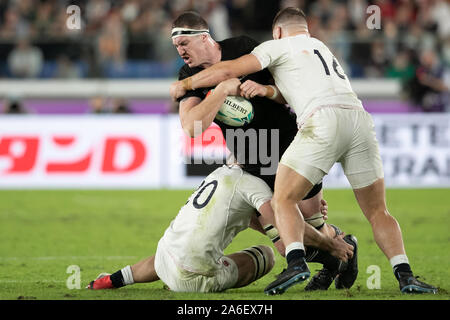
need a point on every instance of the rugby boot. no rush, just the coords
(410, 284)
(346, 278)
(103, 281)
(297, 272)
(321, 280)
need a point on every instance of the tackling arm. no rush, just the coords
(335, 246)
(215, 74)
(250, 89)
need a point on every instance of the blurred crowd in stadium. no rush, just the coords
(130, 38)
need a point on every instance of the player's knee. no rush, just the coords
(378, 214)
(274, 204)
(280, 200)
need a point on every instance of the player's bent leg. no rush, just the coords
(253, 263)
(386, 229)
(388, 236)
(290, 188)
(144, 270)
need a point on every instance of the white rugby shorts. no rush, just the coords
(181, 280)
(336, 134)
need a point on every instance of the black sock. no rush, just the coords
(402, 267)
(295, 255)
(117, 279)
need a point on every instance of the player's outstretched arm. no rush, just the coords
(335, 246)
(215, 74)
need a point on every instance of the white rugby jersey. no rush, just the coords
(307, 74)
(218, 210)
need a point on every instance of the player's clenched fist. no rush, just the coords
(251, 89)
(341, 249)
(230, 86)
(178, 89)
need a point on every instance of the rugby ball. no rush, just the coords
(235, 111)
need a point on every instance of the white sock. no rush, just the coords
(294, 246)
(127, 275)
(401, 258)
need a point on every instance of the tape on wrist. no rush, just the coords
(187, 84)
(275, 92)
(271, 232)
(316, 220)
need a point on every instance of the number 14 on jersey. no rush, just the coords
(325, 66)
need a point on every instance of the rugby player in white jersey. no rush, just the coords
(190, 255)
(333, 127)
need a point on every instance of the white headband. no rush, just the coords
(178, 32)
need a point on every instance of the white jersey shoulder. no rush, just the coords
(307, 73)
(218, 210)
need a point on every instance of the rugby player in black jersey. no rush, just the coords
(191, 38)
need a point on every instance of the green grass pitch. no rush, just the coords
(43, 232)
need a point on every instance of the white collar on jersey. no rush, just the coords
(186, 32)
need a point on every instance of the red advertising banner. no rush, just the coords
(81, 151)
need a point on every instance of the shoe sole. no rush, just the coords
(281, 288)
(412, 289)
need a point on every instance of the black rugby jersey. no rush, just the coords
(268, 114)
